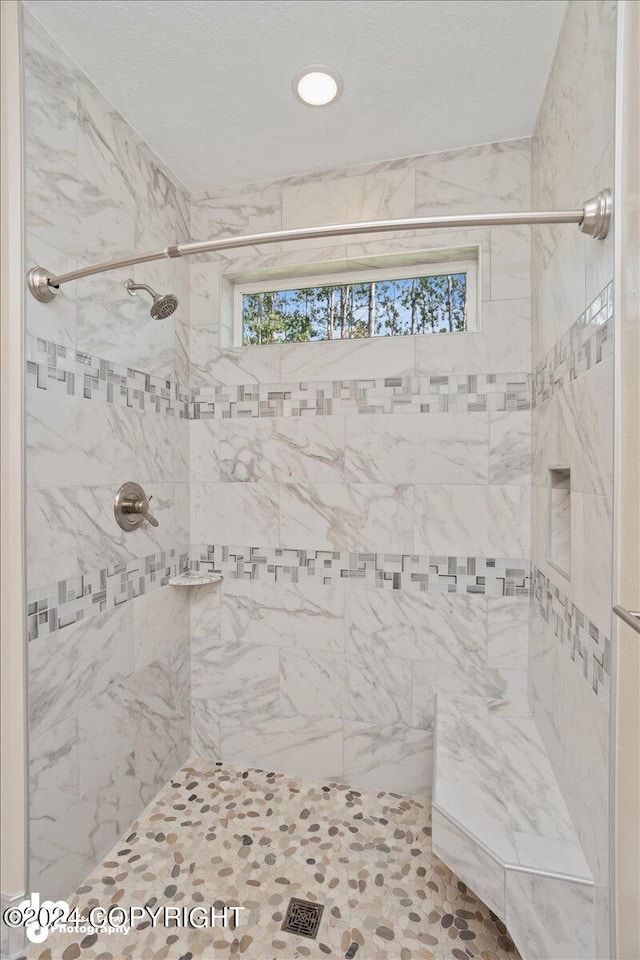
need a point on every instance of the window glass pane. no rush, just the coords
(384, 308)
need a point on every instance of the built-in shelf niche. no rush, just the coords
(559, 520)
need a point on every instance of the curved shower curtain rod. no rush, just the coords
(594, 219)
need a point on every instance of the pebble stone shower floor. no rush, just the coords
(221, 834)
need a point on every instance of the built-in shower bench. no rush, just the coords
(501, 824)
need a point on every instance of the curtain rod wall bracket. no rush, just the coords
(598, 211)
(594, 220)
(38, 282)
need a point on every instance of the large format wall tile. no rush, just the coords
(510, 262)
(205, 290)
(114, 325)
(560, 294)
(205, 727)
(415, 626)
(256, 211)
(387, 757)
(67, 438)
(489, 178)
(597, 526)
(77, 841)
(510, 447)
(308, 747)
(74, 666)
(212, 365)
(353, 687)
(470, 860)
(55, 321)
(347, 359)
(204, 611)
(390, 625)
(204, 450)
(340, 516)
(64, 209)
(599, 257)
(50, 83)
(100, 542)
(282, 614)
(507, 634)
(502, 345)
(242, 678)
(106, 735)
(463, 680)
(279, 448)
(52, 534)
(235, 513)
(314, 685)
(564, 932)
(160, 624)
(348, 200)
(438, 448)
(574, 428)
(378, 690)
(574, 725)
(489, 520)
(53, 774)
(159, 701)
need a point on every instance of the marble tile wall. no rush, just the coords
(382, 486)
(343, 673)
(572, 426)
(495, 175)
(316, 676)
(108, 655)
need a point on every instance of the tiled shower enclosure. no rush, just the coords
(377, 508)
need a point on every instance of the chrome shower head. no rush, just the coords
(163, 304)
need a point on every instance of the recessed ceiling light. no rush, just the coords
(317, 86)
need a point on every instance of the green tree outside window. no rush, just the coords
(388, 308)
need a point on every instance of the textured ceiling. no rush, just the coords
(207, 83)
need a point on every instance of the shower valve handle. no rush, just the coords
(142, 507)
(131, 507)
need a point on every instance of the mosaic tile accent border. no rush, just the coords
(455, 393)
(483, 575)
(586, 644)
(51, 366)
(586, 343)
(54, 606)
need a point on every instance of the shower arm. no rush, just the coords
(594, 219)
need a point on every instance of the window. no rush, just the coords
(436, 299)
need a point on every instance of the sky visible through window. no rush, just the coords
(385, 308)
